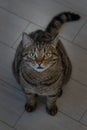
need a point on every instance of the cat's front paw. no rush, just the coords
(53, 110)
(30, 108)
(60, 92)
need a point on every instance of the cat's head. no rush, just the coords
(38, 53)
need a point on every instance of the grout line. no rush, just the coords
(21, 17)
(79, 82)
(32, 21)
(75, 44)
(79, 30)
(38, 25)
(12, 46)
(11, 12)
(29, 22)
(73, 9)
(18, 119)
(72, 118)
(20, 35)
(83, 124)
(80, 47)
(69, 116)
(6, 124)
(83, 115)
(5, 82)
(5, 44)
(13, 126)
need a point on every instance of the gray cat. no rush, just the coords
(41, 64)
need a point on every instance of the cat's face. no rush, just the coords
(39, 56)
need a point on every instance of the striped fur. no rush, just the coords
(41, 64)
(56, 23)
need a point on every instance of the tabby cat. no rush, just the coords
(41, 64)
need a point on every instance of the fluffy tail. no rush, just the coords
(55, 24)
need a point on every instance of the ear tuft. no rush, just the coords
(26, 40)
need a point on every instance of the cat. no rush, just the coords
(41, 64)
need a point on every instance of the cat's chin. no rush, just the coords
(39, 69)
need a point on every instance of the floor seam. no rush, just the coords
(83, 124)
(10, 85)
(72, 118)
(6, 123)
(83, 115)
(18, 119)
(73, 9)
(73, 43)
(20, 35)
(79, 82)
(11, 12)
(5, 44)
(79, 30)
(21, 17)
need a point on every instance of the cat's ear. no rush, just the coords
(26, 40)
(55, 41)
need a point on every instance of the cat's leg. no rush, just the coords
(60, 92)
(31, 102)
(51, 104)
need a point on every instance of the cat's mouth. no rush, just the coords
(40, 67)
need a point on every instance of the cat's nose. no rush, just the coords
(39, 63)
(39, 60)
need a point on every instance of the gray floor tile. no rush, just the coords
(70, 30)
(79, 61)
(42, 121)
(10, 27)
(74, 100)
(6, 59)
(29, 29)
(5, 127)
(11, 103)
(81, 38)
(39, 12)
(84, 119)
(79, 5)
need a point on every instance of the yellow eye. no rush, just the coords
(31, 55)
(47, 55)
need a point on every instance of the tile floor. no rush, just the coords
(17, 16)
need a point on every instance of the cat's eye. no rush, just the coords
(48, 55)
(31, 55)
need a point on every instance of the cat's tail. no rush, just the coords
(56, 23)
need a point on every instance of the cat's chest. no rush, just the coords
(39, 88)
(40, 84)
